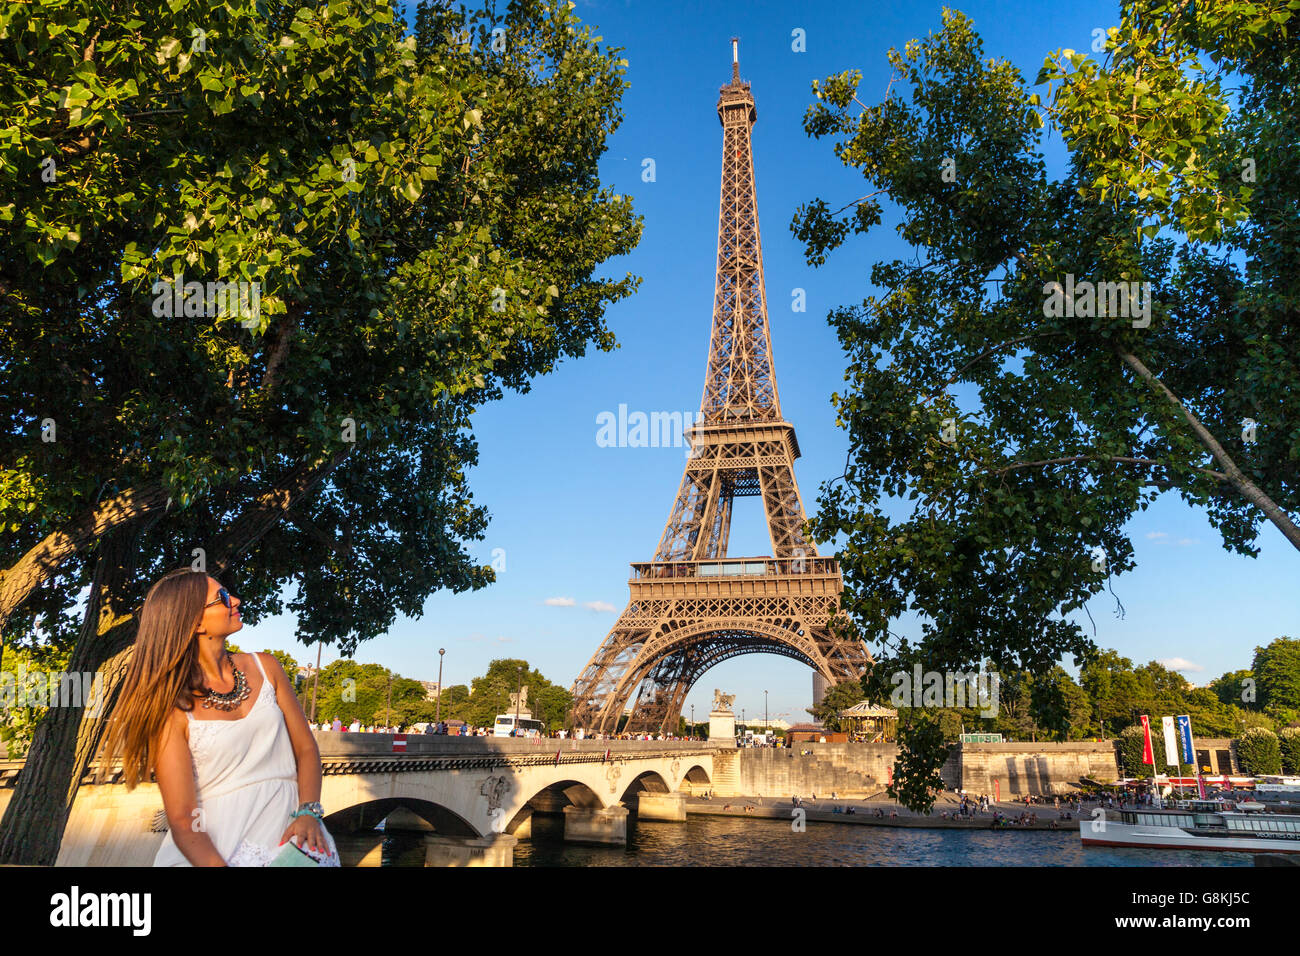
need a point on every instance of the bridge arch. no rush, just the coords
(696, 778)
(554, 797)
(651, 781)
(364, 816)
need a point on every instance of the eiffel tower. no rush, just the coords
(693, 605)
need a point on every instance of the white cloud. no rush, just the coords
(1153, 535)
(1180, 664)
(599, 606)
(1186, 542)
(560, 602)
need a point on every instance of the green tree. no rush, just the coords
(1210, 717)
(1277, 671)
(917, 778)
(551, 706)
(1023, 437)
(1015, 697)
(1233, 690)
(1258, 751)
(351, 691)
(1130, 745)
(423, 219)
(1289, 744)
(840, 697)
(1113, 688)
(490, 694)
(455, 702)
(24, 696)
(407, 705)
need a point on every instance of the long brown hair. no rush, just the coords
(163, 669)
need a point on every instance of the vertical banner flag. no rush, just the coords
(1147, 755)
(1185, 735)
(1171, 746)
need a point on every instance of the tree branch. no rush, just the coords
(279, 350)
(269, 507)
(1232, 474)
(42, 562)
(1116, 458)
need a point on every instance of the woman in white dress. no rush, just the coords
(223, 734)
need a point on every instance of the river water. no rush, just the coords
(738, 841)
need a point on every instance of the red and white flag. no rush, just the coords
(1147, 755)
(399, 743)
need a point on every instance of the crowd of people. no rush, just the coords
(467, 730)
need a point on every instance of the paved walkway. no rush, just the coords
(822, 811)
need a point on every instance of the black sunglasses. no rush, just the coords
(223, 596)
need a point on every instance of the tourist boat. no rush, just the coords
(1197, 825)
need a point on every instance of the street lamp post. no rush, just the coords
(692, 720)
(766, 726)
(438, 717)
(518, 693)
(315, 683)
(388, 707)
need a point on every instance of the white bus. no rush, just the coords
(528, 727)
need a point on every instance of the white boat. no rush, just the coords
(1197, 825)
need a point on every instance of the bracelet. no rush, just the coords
(307, 813)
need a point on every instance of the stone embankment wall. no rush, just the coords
(1034, 768)
(861, 770)
(848, 770)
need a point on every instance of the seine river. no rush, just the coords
(736, 841)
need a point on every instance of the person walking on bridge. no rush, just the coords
(222, 733)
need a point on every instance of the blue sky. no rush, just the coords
(569, 515)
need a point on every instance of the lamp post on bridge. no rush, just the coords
(692, 720)
(518, 691)
(766, 726)
(315, 682)
(438, 717)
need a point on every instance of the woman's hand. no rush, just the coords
(308, 830)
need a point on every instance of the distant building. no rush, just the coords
(431, 689)
(820, 686)
(813, 734)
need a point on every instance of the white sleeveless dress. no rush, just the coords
(246, 780)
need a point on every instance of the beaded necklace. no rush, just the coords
(232, 698)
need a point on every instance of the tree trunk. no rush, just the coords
(62, 749)
(64, 743)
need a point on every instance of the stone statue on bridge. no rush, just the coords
(522, 705)
(721, 701)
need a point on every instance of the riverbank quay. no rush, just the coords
(864, 814)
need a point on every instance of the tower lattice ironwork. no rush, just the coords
(693, 605)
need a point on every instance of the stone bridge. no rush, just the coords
(473, 797)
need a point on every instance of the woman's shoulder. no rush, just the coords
(249, 661)
(177, 723)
